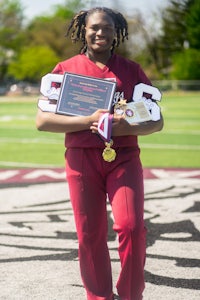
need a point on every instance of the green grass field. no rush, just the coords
(177, 145)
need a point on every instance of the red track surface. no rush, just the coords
(41, 175)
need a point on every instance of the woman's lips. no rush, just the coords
(101, 42)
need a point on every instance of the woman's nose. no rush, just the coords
(100, 31)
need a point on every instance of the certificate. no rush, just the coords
(83, 95)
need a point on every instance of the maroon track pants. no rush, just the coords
(90, 180)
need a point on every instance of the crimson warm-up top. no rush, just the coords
(126, 73)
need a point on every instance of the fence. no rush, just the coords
(163, 85)
(174, 85)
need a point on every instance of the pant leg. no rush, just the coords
(125, 190)
(88, 197)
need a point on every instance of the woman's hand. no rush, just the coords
(97, 114)
(120, 127)
(95, 119)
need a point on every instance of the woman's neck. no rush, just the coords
(98, 58)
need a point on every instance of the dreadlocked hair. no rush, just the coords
(76, 28)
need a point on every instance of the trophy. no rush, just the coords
(141, 109)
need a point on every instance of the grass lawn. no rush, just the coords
(21, 143)
(177, 145)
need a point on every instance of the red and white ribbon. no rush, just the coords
(105, 126)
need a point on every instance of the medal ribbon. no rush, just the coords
(105, 131)
(105, 127)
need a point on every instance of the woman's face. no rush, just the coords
(100, 32)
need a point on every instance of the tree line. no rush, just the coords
(28, 50)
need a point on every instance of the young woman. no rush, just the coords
(91, 179)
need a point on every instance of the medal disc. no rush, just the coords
(109, 154)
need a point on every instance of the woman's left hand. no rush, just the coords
(119, 126)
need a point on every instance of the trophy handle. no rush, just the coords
(142, 88)
(47, 88)
(50, 92)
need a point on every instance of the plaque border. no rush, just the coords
(63, 90)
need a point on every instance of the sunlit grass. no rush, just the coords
(177, 145)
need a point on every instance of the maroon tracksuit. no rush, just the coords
(91, 180)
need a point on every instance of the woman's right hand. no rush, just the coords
(97, 114)
(95, 119)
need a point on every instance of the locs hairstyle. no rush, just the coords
(76, 28)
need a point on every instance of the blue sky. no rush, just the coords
(38, 7)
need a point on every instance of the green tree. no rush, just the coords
(33, 63)
(180, 29)
(67, 10)
(18, 40)
(11, 32)
(51, 30)
(193, 25)
(186, 65)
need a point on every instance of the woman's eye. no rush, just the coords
(96, 28)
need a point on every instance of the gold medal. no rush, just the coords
(109, 154)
